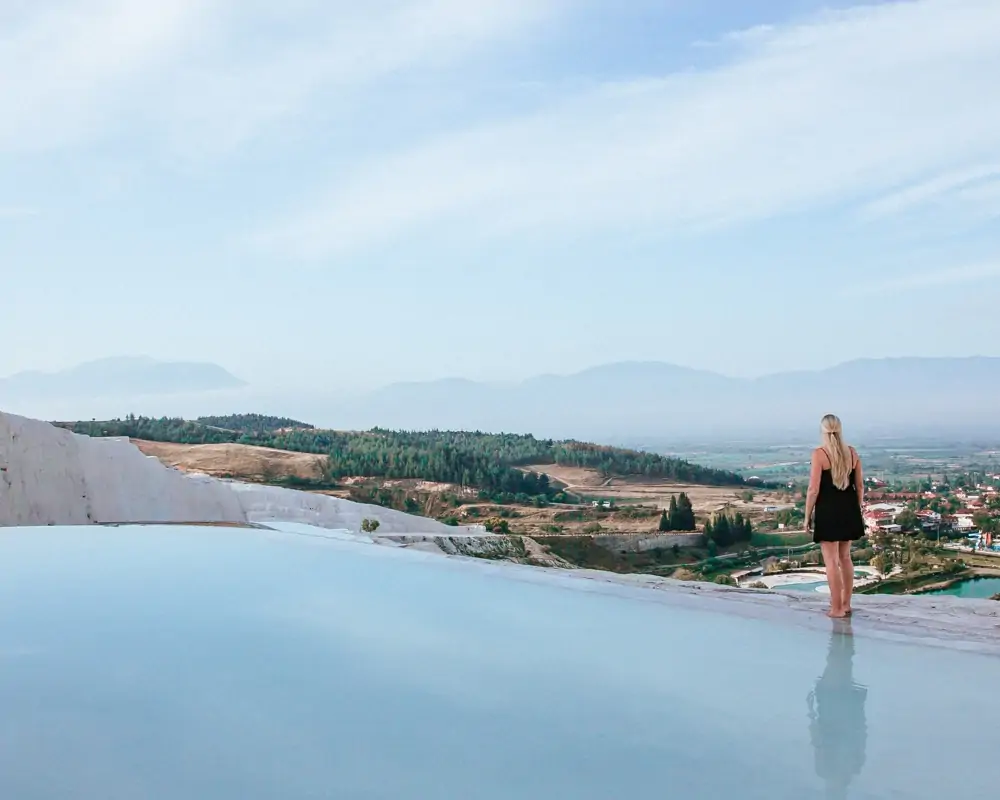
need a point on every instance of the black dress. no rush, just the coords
(837, 517)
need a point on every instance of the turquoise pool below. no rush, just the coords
(811, 586)
(981, 588)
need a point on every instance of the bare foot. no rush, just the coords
(836, 613)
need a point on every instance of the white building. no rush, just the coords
(963, 522)
(892, 508)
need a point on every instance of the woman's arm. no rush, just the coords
(859, 478)
(815, 474)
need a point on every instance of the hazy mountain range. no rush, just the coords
(626, 401)
(118, 377)
(633, 402)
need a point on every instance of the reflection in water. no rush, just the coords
(837, 716)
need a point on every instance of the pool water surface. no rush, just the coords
(160, 663)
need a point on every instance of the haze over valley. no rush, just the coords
(644, 403)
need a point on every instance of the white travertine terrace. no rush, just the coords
(51, 476)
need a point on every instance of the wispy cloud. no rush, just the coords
(838, 108)
(15, 212)
(342, 48)
(64, 66)
(975, 186)
(208, 74)
(951, 276)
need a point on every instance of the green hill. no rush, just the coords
(486, 461)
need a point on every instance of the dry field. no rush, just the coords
(236, 460)
(653, 492)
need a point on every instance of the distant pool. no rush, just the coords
(815, 586)
(981, 588)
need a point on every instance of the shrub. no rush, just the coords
(592, 528)
(370, 525)
(725, 580)
(497, 525)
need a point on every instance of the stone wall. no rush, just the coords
(641, 542)
(51, 476)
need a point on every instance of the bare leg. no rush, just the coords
(834, 577)
(847, 571)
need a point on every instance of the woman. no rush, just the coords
(836, 492)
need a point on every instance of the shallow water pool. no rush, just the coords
(161, 662)
(813, 586)
(981, 588)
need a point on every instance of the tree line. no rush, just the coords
(725, 530)
(485, 461)
(253, 423)
(620, 461)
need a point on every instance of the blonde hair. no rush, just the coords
(841, 458)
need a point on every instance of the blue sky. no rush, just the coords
(340, 194)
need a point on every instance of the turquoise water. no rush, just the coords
(812, 586)
(803, 587)
(973, 588)
(163, 663)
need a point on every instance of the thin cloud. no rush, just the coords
(836, 109)
(64, 67)
(980, 182)
(171, 71)
(954, 276)
(17, 212)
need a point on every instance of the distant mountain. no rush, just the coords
(118, 377)
(626, 401)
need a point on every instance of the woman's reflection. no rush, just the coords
(837, 716)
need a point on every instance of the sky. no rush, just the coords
(328, 194)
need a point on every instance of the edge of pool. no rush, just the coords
(940, 621)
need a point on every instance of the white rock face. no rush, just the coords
(50, 476)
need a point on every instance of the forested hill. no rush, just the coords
(483, 460)
(253, 423)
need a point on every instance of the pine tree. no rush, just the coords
(723, 533)
(664, 522)
(673, 514)
(684, 519)
(741, 528)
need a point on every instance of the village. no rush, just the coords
(969, 512)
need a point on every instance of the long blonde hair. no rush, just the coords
(841, 459)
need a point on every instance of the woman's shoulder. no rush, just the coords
(819, 454)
